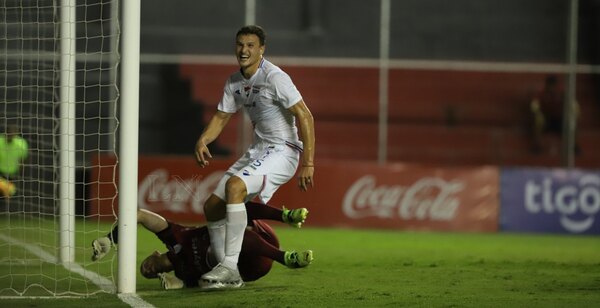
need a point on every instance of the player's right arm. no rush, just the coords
(210, 133)
(307, 135)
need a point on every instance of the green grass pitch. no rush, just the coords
(369, 268)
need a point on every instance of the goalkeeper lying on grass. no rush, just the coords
(189, 253)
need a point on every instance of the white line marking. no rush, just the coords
(102, 282)
(134, 300)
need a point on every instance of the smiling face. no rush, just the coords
(248, 51)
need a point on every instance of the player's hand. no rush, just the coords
(202, 154)
(305, 177)
(170, 282)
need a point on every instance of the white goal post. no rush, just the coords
(128, 168)
(58, 77)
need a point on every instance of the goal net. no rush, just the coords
(46, 227)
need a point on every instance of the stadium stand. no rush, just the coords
(449, 117)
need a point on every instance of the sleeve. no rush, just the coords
(227, 103)
(285, 91)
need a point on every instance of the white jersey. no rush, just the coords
(266, 97)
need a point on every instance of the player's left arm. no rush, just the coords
(306, 125)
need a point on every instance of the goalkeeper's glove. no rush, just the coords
(169, 281)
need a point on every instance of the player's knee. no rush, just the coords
(235, 189)
(214, 208)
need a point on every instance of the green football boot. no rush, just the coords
(295, 259)
(295, 217)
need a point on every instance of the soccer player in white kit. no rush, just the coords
(275, 106)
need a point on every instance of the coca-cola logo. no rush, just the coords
(160, 192)
(428, 198)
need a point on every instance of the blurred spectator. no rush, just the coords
(547, 112)
(13, 150)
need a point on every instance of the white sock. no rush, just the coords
(237, 220)
(216, 231)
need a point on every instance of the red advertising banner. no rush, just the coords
(346, 194)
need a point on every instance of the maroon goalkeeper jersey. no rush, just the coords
(192, 261)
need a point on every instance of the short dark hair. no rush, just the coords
(253, 29)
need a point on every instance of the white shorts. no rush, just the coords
(263, 168)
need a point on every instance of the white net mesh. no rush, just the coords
(30, 83)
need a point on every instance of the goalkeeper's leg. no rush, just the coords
(293, 217)
(255, 246)
(295, 259)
